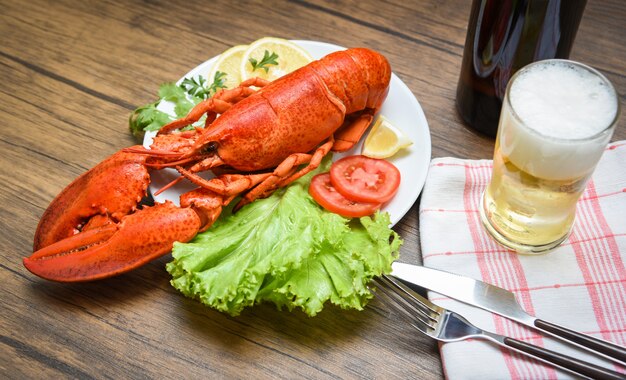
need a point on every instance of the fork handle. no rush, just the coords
(598, 345)
(586, 369)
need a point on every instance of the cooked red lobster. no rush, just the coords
(263, 140)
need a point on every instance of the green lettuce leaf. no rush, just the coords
(288, 250)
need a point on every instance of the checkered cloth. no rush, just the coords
(580, 285)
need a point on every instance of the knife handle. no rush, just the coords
(606, 348)
(578, 366)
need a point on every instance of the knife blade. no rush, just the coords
(502, 302)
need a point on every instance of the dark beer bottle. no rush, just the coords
(502, 37)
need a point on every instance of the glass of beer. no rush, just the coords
(556, 121)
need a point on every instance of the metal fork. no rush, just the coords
(447, 326)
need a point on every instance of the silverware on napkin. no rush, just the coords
(447, 326)
(502, 302)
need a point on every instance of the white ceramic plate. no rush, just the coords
(400, 107)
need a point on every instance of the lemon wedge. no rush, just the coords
(229, 63)
(384, 140)
(273, 58)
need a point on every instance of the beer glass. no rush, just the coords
(556, 121)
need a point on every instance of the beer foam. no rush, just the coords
(562, 100)
(563, 112)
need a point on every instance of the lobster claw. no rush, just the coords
(113, 187)
(113, 249)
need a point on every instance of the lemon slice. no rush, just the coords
(384, 140)
(289, 58)
(229, 63)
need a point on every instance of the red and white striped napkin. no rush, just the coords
(580, 285)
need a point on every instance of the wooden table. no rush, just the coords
(72, 71)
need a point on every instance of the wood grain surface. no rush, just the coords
(72, 71)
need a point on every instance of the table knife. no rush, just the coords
(502, 302)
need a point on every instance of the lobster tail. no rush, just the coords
(377, 71)
(358, 77)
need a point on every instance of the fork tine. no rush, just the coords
(402, 293)
(402, 301)
(422, 320)
(408, 292)
(413, 321)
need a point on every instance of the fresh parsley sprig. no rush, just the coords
(196, 87)
(268, 59)
(219, 81)
(147, 118)
(184, 97)
(199, 88)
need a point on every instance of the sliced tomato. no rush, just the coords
(326, 196)
(365, 179)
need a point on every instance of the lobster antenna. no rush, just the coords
(174, 182)
(151, 152)
(162, 165)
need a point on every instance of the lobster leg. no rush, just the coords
(287, 172)
(234, 95)
(207, 203)
(210, 105)
(351, 132)
(217, 104)
(314, 162)
(226, 184)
